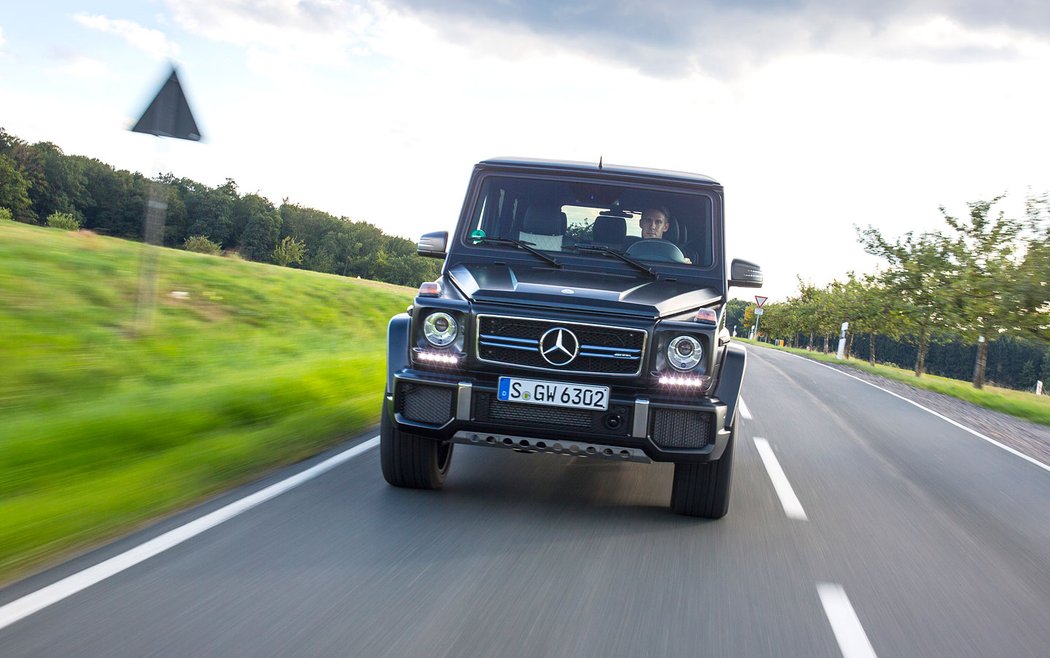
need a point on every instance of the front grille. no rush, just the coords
(491, 411)
(425, 404)
(524, 414)
(680, 428)
(602, 350)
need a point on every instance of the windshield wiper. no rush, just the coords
(521, 244)
(641, 267)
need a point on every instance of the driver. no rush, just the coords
(654, 222)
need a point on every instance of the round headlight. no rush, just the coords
(440, 329)
(684, 353)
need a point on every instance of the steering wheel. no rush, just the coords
(656, 249)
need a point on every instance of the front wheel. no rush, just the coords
(411, 461)
(702, 490)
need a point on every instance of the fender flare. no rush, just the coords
(731, 378)
(397, 341)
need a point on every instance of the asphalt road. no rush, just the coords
(906, 537)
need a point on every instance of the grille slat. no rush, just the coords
(530, 415)
(489, 410)
(603, 350)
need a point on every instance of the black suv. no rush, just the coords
(580, 311)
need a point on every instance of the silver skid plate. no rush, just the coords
(554, 446)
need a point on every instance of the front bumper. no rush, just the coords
(464, 409)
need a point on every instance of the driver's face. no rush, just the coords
(653, 224)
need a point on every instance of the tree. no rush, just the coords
(261, 225)
(289, 251)
(983, 246)
(57, 182)
(209, 212)
(1032, 285)
(917, 278)
(14, 191)
(734, 312)
(870, 309)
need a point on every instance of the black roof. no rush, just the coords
(592, 167)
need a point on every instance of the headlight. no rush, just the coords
(440, 329)
(684, 353)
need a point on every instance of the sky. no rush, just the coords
(816, 115)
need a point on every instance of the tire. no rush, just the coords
(411, 461)
(702, 490)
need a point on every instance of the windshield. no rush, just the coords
(656, 226)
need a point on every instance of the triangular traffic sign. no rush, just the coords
(169, 115)
(760, 300)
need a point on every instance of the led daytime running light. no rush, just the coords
(438, 357)
(689, 382)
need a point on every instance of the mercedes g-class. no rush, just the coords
(580, 311)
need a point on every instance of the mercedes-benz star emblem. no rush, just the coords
(559, 346)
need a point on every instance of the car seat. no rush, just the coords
(609, 231)
(544, 227)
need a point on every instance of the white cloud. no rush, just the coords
(150, 41)
(2, 37)
(280, 32)
(83, 66)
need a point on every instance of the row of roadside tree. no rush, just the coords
(983, 278)
(39, 182)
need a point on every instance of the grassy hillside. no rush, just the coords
(249, 366)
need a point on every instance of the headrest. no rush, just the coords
(544, 220)
(609, 230)
(672, 230)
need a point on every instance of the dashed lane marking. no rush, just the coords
(788, 499)
(853, 641)
(42, 598)
(744, 411)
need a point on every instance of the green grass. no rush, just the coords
(1031, 407)
(103, 428)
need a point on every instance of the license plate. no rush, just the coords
(554, 394)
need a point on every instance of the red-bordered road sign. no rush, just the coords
(760, 300)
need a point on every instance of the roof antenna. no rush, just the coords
(599, 162)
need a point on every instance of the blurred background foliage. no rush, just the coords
(38, 180)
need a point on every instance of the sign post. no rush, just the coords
(759, 303)
(168, 115)
(842, 341)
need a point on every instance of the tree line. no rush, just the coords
(38, 183)
(982, 280)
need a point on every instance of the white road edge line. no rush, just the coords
(1005, 447)
(788, 499)
(853, 641)
(744, 411)
(47, 596)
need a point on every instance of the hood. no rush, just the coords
(596, 292)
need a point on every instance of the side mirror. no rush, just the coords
(433, 245)
(745, 274)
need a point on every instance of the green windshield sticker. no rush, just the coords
(477, 236)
